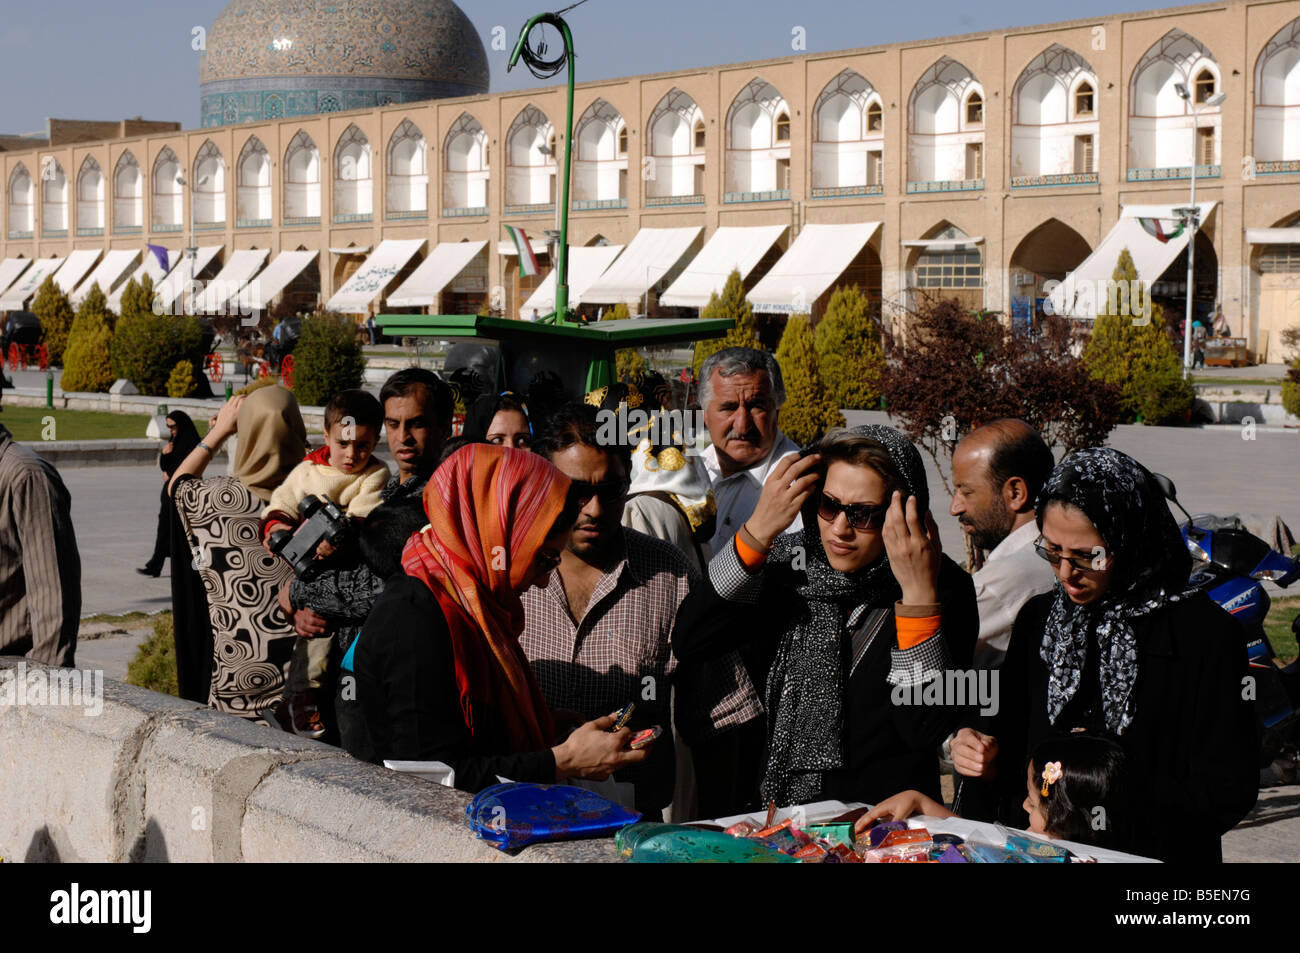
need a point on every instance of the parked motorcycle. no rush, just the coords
(1231, 565)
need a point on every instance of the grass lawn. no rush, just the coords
(26, 424)
(1278, 627)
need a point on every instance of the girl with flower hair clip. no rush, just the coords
(1074, 792)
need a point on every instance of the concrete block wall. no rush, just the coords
(152, 778)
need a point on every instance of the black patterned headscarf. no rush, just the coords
(1152, 567)
(805, 685)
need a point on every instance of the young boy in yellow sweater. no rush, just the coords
(344, 471)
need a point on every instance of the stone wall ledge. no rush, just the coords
(152, 778)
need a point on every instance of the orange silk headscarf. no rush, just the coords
(490, 509)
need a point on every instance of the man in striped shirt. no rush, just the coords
(40, 568)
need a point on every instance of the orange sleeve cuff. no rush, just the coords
(913, 631)
(750, 556)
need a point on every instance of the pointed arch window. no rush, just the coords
(875, 118)
(168, 199)
(408, 173)
(974, 109)
(622, 141)
(783, 127)
(1083, 99)
(699, 135)
(253, 198)
(353, 181)
(54, 196)
(302, 181)
(21, 211)
(128, 195)
(1205, 85)
(209, 185)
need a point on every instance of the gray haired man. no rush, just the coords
(742, 393)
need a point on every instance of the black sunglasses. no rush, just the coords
(1098, 563)
(862, 516)
(609, 493)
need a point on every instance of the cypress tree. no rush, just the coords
(850, 357)
(87, 365)
(52, 307)
(730, 304)
(1137, 356)
(809, 409)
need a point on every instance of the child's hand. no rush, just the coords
(324, 549)
(271, 529)
(899, 808)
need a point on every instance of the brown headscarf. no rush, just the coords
(272, 440)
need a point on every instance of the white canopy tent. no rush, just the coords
(1086, 287)
(538, 245)
(16, 298)
(239, 268)
(651, 255)
(173, 286)
(424, 288)
(731, 248)
(586, 264)
(817, 258)
(261, 291)
(75, 267)
(374, 276)
(10, 270)
(107, 274)
(151, 267)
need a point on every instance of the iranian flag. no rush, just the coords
(1155, 228)
(527, 260)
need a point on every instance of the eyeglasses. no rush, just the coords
(1098, 563)
(609, 493)
(862, 516)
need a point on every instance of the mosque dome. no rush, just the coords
(267, 59)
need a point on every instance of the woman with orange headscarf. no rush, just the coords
(440, 674)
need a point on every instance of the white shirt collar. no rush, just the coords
(758, 472)
(1016, 540)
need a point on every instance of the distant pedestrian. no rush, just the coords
(370, 328)
(184, 438)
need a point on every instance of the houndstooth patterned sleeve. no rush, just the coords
(731, 579)
(920, 663)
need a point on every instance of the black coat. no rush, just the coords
(888, 748)
(1193, 744)
(406, 687)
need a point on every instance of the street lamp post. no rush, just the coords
(190, 251)
(1192, 217)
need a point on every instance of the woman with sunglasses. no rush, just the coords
(440, 673)
(1123, 647)
(842, 621)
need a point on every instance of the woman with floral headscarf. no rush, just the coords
(440, 674)
(849, 623)
(1123, 647)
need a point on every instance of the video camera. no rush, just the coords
(322, 521)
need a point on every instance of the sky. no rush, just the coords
(116, 59)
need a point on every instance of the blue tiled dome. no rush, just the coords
(266, 59)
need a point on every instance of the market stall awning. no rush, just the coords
(149, 266)
(730, 248)
(435, 273)
(351, 250)
(651, 256)
(106, 274)
(75, 267)
(171, 287)
(261, 291)
(1154, 237)
(942, 244)
(814, 262)
(374, 276)
(16, 298)
(230, 280)
(10, 269)
(1273, 236)
(586, 264)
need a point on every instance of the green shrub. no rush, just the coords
(181, 382)
(154, 665)
(733, 304)
(1291, 384)
(1139, 359)
(51, 306)
(147, 346)
(327, 359)
(617, 313)
(87, 362)
(809, 410)
(850, 357)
